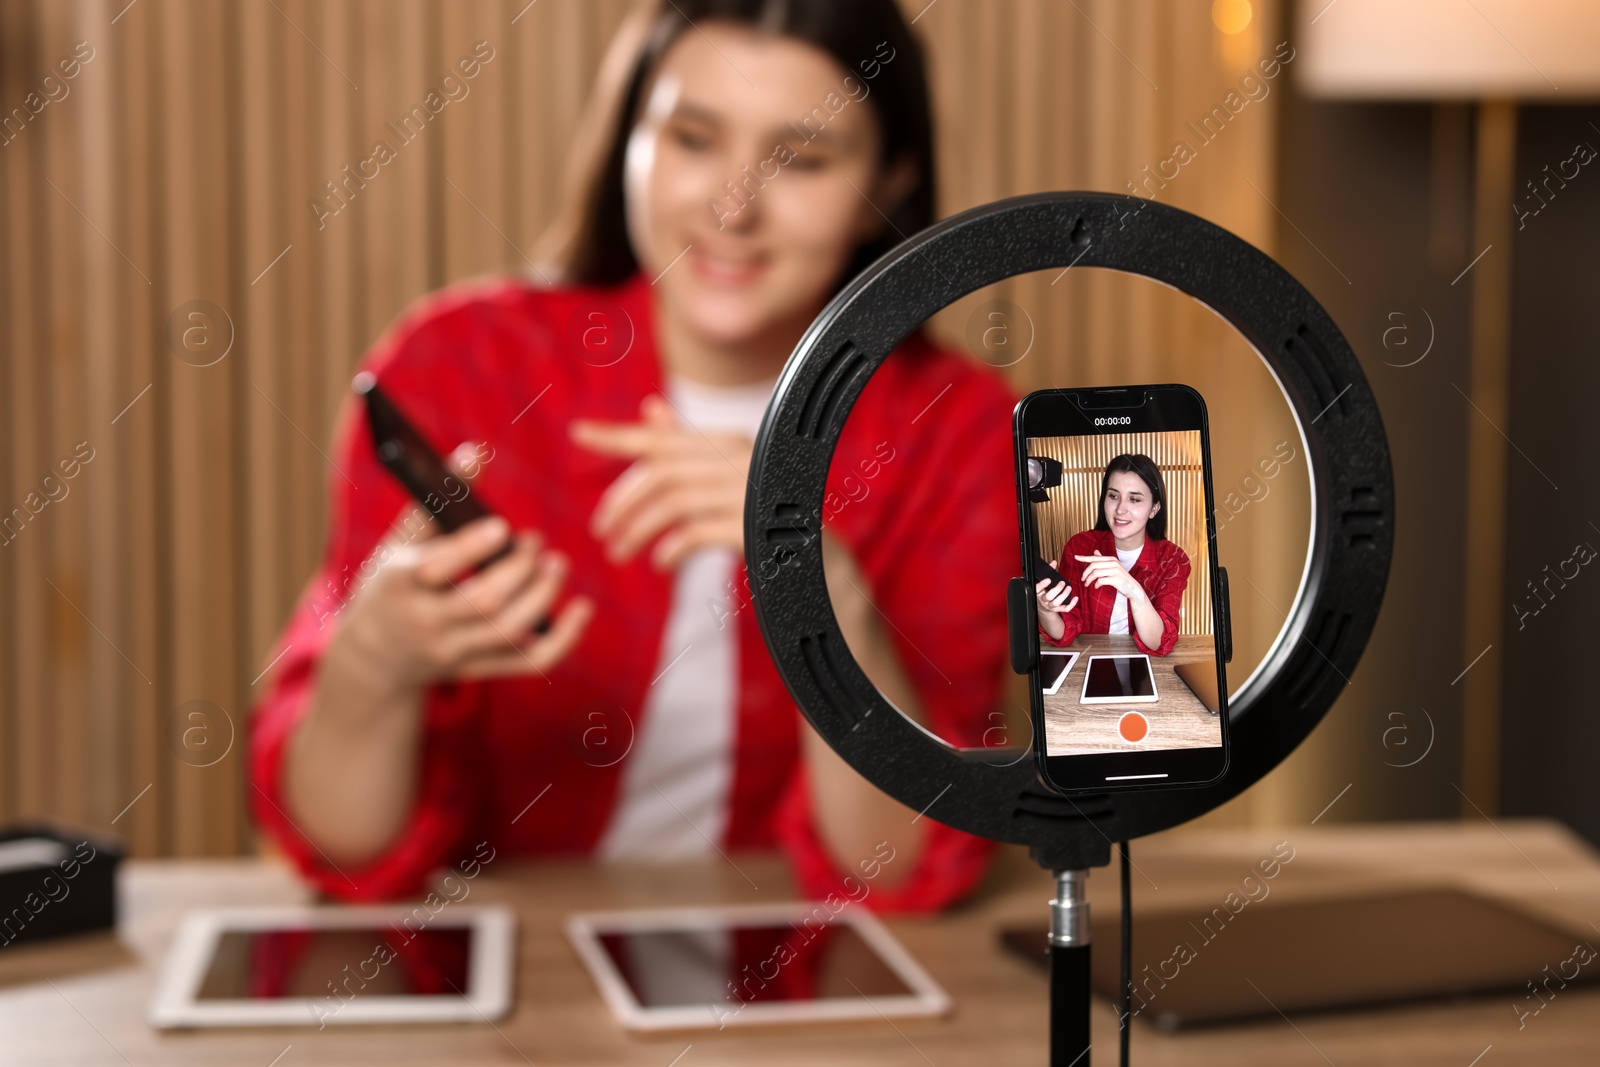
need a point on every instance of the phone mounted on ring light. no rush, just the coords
(991, 793)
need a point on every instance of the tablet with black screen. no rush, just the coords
(714, 967)
(1118, 680)
(1054, 668)
(321, 966)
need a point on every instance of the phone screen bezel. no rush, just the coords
(1150, 409)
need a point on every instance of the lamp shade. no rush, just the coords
(1442, 49)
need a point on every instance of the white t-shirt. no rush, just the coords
(677, 779)
(1119, 610)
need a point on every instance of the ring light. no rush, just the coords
(992, 792)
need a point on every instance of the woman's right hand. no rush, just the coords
(1050, 599)
(424, 617)
(1051, 596)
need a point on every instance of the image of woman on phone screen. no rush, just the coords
(1129, 578)
(739, 162)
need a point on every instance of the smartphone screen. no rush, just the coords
(1115, 510)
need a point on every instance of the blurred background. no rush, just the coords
(188, 273)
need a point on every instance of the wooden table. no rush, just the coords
(1178, 720)
(83, 1002)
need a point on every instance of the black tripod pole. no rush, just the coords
(1069, 971)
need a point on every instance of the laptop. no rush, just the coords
(1195, 966)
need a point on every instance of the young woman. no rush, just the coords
(743, 160)
(1133, 576)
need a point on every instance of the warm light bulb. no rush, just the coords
(1230, 16)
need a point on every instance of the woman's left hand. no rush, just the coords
(1101, 570)
(684, 484)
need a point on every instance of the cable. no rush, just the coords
(1127, 954)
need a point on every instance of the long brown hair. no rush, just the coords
(588, 244)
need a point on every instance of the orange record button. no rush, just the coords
(1133, 726)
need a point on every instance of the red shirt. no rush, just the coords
(1162, 569)
(920, 489)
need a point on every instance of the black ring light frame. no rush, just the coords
(995, 793)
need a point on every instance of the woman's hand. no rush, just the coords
(417, 616)
(685, 485)
(1051, 596)
(1099, 570)
(1050, 599)
(421, 617)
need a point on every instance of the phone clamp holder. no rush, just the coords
(992, 792)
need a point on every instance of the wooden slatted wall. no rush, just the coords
(174, 179)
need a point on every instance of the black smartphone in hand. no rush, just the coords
(406, 454)
(1041, 569)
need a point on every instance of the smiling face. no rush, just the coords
(1129, 507)
(761, 260)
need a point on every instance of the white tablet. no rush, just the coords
(694, 968)
(1054, 668)
(1119, 680)
(319, 966)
